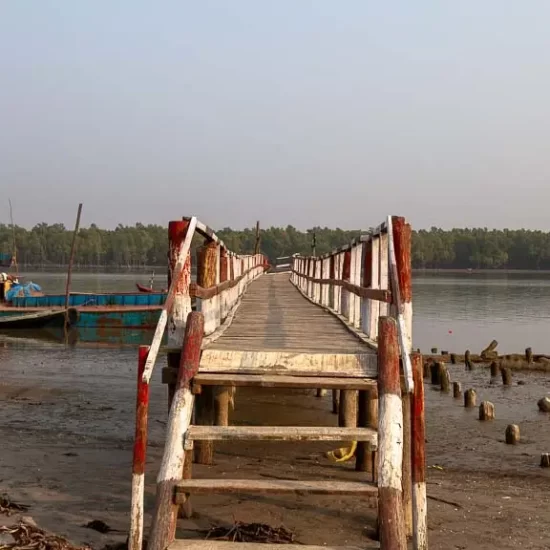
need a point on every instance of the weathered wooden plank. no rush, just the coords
(215, 360)
(282, 433)
(274, 381)
(192, 544)
(273, 486)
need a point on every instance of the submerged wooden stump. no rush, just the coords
(512, 434)
(445, 378)
(457, 390)
(494, 369)
(467, 361)
(453, 359)
(426, 369)
(506, 376)
(529, 355)
(435, 371)
(486, 411)
(545, 460)
(470, 398)
(544, 404)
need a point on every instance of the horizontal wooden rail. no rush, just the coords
(361, 291)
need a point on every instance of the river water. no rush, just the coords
(451, 311)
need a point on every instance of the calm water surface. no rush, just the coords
(453, 311)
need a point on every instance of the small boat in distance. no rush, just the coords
(148, 290)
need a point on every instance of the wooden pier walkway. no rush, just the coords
(339, 322)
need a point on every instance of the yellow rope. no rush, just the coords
(343, 453)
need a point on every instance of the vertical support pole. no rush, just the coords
(346, 271)
(257, 241)
(224, 276)
(335, 401)
(390, 439)
(374, 305)
(331, 288)
(352, 298)
(384, 271)
(366, 282)
(135, 540)
(177, 231)
(367, 418)
(357, 281)
(418, 458)
(407, 476)
(207, 257)
(171, 470)
(347, 415)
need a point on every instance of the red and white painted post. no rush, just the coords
(166, 511)
(390, 439)
(135, 540)
(418, 458)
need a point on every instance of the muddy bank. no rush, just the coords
(67, 439)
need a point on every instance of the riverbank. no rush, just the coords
(67, 444)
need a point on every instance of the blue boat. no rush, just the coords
(97, 310)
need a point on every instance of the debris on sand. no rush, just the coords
(24, 536)
(98, 525)
(8, 507)
(252, 532)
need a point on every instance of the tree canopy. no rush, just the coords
(146, 245)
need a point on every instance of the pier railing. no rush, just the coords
(222, 279)
(364, 280)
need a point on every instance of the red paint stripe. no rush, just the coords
(418, 428)
(142, 407)
(191, 352)
(402, 244)
(388, 357)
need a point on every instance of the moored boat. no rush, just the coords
(17, 319)
(147, 289)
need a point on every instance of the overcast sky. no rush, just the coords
(303, 112)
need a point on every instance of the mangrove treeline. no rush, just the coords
(146, 245)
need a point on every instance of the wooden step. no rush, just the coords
(194, 544)
(273, 486)
(169, 376)
(282, 433)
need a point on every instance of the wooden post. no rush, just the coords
(512, 434)
(435, 369)
(467, 361)
(453, 359)
(407, 475)
(529, 355)
(258, 238)
(506, 376)
(470, 398)
(427, 369)
(367, 418)
(135, 539)
(418, 458)
(348, 409)
(457, 390)
(445, 378)
(545, 460)
(346, 273)
(320, 392)
(70, 268)
(489, 350)
(221, 405)
(335, 401)
(486, 411)
(207, 257)
(171, 470)
(494, 369)
(390, 443)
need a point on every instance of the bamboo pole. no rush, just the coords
(257, 241)
(70, 269)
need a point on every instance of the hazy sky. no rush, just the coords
(303, 112)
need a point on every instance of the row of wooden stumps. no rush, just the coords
(440, 376)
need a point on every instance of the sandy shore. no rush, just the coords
(67, 439)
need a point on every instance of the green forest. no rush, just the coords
(131, 247)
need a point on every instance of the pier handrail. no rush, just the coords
(364, 280)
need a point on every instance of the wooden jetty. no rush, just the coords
(339, 322)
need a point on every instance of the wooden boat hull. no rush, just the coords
(37, 319)
(147, 290)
